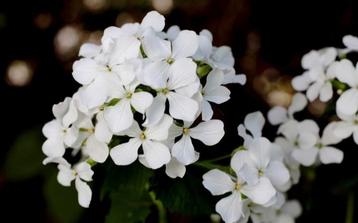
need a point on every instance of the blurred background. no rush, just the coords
(40, 39)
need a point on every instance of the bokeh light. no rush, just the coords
(67, 41)
(163, 6)
(19, 73)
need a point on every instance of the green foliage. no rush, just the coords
(127, 188)
(62, 201)
(24, 159)
(185, 196)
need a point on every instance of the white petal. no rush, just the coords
(277, 173)
(155, 112)
(156, 154)
(71, 115)
(277, 115)
(173, 32)
(206, 111)
(97, 150)
(347, 103)
(218, 95)
(306, 140)
(346, 72)
(156, 48)
(260, 150)
(156, 74)
(233, 78)
(186, 44)
(53, 148)
(84, 171)
(160, 131)
(218, 182)
(310, 59)
(125, 153)
(326, 92)
(65, 175)
(223, 58)
(181, 107)
(60, 109)
(329, 136)
(94, 94)
(343, 129)
(213, 80)
(350, 42)
(292, 208)
(289, 129)
(254, 122)
(154, 20)
(175, 169)
(102, 131)
(301, 82)
(230, 208)
(89, 50)
(84, 193)
(306, 157)
(260, 193)
(309, 126)
(181, 73)
(184, 151)
(141, 101)
(71, 136)
(119, 117)
(239, 159)
(126, 47)
(329, 155)
(209, 132)
(85, 70)
(52, 129)
(313, 91)
(355, 136)
(298, 103)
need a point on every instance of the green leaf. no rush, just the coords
(24, 159)
(185, 196)
(62, 201)
(127, 188)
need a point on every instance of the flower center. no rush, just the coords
(164, 91)
(261, 172)
(186, 131)
(237, 186)
(142, 136)
(129, 95)
(170, 60)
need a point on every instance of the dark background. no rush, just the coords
(268, 38)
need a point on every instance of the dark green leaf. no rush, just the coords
(24, 159)
(127, 188)
(185, 196)
(62, 201)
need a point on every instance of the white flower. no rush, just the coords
(317, 79)
(175, 168)
(279, 114)
(347, 103)
(59, 132)
(346, 127)
(155, 153)
(120, 116)
(180, 85)
(230, 208)
(322, 148)
(254, 123)
(213, 91)
(209, 133)
(81, 173)
(351, 42)
(257, 162)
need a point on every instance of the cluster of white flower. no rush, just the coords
(259, 182)
(146, 94)
(262, 171)
(151, 91)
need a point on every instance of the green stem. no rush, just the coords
(162, 215)
(210, 166)
(219, 158)
(350, 207)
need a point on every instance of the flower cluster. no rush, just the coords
(258, 180)
(145, 94)
(261, 172)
